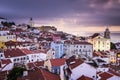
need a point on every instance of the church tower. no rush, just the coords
(107, 33)
(31, 22)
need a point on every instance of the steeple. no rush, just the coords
(31, 22)
(107, 33)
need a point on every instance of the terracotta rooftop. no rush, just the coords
(26, 51)
(40, 74)
(58, 61)
(84, 43)
(13, 53)
(72, 58)
(77, 63)
(12, 43)
(105, 75)
(72, 62)
(39, 63)
(30, 65)
(5, 61)
(95, 35)
(95, 54)
(35, 64)
(38, 51)
(84, 78)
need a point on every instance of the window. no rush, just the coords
(24, 58)
(17, 59)
(84, 46)
(27, 58)
(53, 53)
(1, 55)
(77, 46)
(89, 50)
(14, 60)
(103, 44)
(79, 50)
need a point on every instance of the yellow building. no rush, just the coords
(100, 42)
(2, 45)
(6, 38)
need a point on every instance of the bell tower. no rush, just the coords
(107, 33)
(31, 22)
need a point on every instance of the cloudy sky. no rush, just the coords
(73, 16)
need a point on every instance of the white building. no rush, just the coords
(35, 55)
(15, 55)
(100, 42)
(76, 68)
(23, 55)
(79, 48)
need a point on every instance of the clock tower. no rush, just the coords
(107, 33)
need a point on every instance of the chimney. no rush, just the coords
(25, 73)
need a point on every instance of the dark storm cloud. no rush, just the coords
(99, 12)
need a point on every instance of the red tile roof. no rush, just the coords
(40, 74)
(84, 78)
(5, 61)
(13, 53)
(35, 64)
(58, 61)
(38, 51)
(38, 64)
(26, 51)
(50, 76)
(95, 54)
(30, 65)
(105, 75)
(72, 58)
(95, 35)
(12, 43)
(72, 62)
(76, 63)
(84, 43)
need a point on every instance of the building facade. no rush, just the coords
(83, 49)
(100, 42)
(59, 48)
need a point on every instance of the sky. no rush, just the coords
(72, 16)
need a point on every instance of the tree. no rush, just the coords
(7, 24)
(112, 46)
(15, 73)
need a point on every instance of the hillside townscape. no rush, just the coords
(44, 53)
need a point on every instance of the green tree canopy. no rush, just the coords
(7, 24)
(112, 45)
(15, 73)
